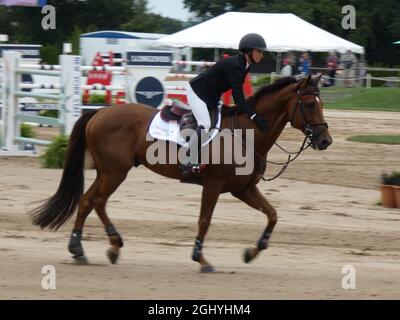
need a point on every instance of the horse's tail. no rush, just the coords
(61, 206)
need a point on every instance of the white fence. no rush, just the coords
(66, 90)
(68, 98)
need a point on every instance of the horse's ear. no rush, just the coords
(305, 82)
(317, 78)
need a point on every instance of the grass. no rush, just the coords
(376, 99)
(381, 139)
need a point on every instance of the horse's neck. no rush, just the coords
(276, 115)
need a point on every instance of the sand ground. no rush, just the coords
(328, 218)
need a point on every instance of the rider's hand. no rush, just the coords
(260, 122)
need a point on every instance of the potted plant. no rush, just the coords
(389, 187)
(396, 187)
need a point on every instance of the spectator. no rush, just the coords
(305, 64)
(181, 66)
(332, 62)
(348, 62)
(287, 67)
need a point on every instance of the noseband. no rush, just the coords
(308, 126)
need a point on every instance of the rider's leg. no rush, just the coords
(201, 113)
(199, 109)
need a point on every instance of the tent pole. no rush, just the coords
(363, 71)
(278, 62)
(216, 54)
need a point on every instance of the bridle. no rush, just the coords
(309, 133)
(308, 126)
(309, 139)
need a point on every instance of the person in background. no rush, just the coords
(305, 64)
(348, 62)
(181, 66)
(332, 62)
(287, 67)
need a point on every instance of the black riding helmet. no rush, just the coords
(252, 41)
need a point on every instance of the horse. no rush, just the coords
(115, 138)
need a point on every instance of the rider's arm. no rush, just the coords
(236, 77)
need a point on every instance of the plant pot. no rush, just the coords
(387, 195)
(397, 195)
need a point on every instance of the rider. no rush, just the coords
(204, 91)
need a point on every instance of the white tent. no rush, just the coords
(282, 32)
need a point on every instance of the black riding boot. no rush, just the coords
(194, 154)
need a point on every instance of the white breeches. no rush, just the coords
(199, 108)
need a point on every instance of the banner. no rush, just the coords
(28, 51)
(147, 71)
(149, 58)
(23, 3)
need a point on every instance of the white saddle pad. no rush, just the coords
(163, 130)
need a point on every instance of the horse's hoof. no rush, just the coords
(248, 255)
(76, 250)
(81, 260)
(112, 255)
(207, 269)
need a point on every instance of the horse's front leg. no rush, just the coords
(254, 198)
(209, 199)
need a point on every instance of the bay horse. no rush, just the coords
(116, 140)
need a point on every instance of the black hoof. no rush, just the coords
(81, 260)
(112, 256)
(76, 250)
(196, 256)
(248, 255)
(207, 269)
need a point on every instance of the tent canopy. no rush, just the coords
(282, 32)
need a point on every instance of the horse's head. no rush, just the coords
(305, 113)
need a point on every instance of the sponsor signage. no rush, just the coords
(27, 51)
(149, 58)
(29, 106)
(150, 91)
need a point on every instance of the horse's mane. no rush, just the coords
(277, 85)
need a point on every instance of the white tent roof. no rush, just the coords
(282, 32)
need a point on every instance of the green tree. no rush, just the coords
(74, 17)
(377, 23)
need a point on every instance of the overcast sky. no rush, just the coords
(169, 8)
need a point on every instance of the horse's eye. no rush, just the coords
(310, 104)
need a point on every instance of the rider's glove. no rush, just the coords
(260, 122)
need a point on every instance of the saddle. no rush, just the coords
(181, 113)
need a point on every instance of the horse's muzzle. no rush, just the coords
(323, 143)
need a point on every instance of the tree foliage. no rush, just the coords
(377, 23)
(74, 17)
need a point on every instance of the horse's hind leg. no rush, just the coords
(85, 207)
(254, 198)
(109, 182)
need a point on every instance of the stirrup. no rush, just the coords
(196, 168)
(189, 170)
